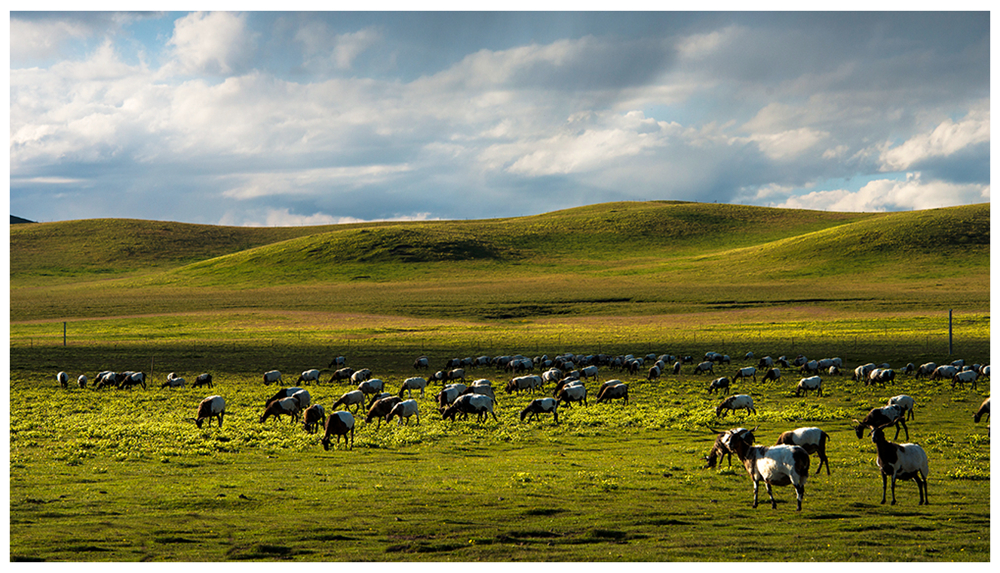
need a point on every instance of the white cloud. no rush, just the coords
(42, 39)
(284, 218)
(946, 139)
(309, 181)
(889, 194)
(214, 43)
(788, 144)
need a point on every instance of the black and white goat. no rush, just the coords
(905, 402)
(718, 384)
(812, 440)
(812, 383)
(882, 417)
(204, 379)
(901, 462)
(411, 384)
(775, 465)
(283, 407)
(984, 410)
(541, 406)
(313, 416)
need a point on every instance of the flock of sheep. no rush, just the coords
(785, 463)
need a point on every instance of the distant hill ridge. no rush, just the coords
(15, 220)
(628, 237)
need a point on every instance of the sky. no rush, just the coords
(273, 119)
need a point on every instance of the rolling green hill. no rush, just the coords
(662, 254)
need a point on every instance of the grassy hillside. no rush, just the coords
(615, 258)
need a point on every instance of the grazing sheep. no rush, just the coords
(456, 374)
(341, 374)
(283, 407)
(834, 371)
(904, 402)
(677, 367)
(404, 409)
(338, 361)
(721, 447)
(133, 379)
(211, 407)
(381, 408)
(360, 376)
(63, 379)
(540, 406)
(744, 373)
(204, 379)
(449, 393)
(421, 363)
(909, 369)
(529, 383)
(765, 362)
(903, 462)
(283, 393)
(880, 376)
(812, 440)
(352, 398)
(572, 392)
(470, 404)
(718, 384)
(309, 376)
(772, 374)
(882, 417)
(965, 377)
(591, 372)
(372, 386)
(984, 410)
(313, 416)
(654, 373)
(339, 424)
(925, 369)
(810, 367)
(303, 398)
(271, 376)
(704, 367)
(411, 384)
(861, 372)
(774, 465)
(173, 382)
(814, 383)
(82, 381)
(613, 392)
(944, 372)
(735, 402)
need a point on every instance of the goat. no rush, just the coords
(63, 379)
(449, 393)
(82, 381)
(946, 371)
(704, 367)
(133, 379)
(381, 408)
(613, 392)
(882, 417)
(283, 407)
(411, 384)
(470, 404)
(880, 376)
(271, 376)
(403, 409)
(902, 462)
(211, 407)
(966, 376)
(765, 362)
(925, 369)
(718, 384)
(861, 372)
(309, 376)
(745, 373)
(421, 362)
(352, 398)
(984, 410)
(540, 406)
(721, 447)
(341, 374)
(904, 402)
(312, 417)
(735, 402)
(339, 424)
(814, 383)
(775, 465)
(572, 392)
(772, 374)
(203, 379)
(812, 440)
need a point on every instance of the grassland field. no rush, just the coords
(126, 476)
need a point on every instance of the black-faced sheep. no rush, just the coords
(173, 381)
(421, 363)
(721, 447)
(204, 379)
(283, 407)
(718, 384)
(812, 383)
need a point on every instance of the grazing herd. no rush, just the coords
(785, 463)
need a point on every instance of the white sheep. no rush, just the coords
(272, 376)
(352, 398)
(404, 409)
(735, 402)
(82, 381)
(744, 373)
(812, 383)
(63, 379)
(411, 384)
(309, 376)
(905, 403)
